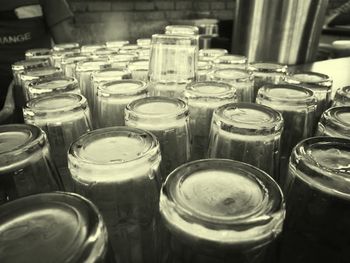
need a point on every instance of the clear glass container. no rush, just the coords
(65, 47)
(168, 119)
(249, 133)
(320, 84)
(69, 63)
(144, 42)
(90, 49)
(241, 80)
(58, 226)
(317, 192)
(202, 99)
(38, 53)
(298, 108)
(103, 53)
(211, 54)
(26, 166)
(50, 86)
(181, 30)
(116, 44)
(335, 122)
(139, 69)
(129, 49)
(266, 73)
(204, 68)
(83, 71)
(57, 56)
(145, 54)
(231, 61)
(342, 97)
(173, 63)
(121, 60)
(112, 98)
(117, 169)
(64, 118)
(218, 210)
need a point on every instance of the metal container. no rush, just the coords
(284, 31)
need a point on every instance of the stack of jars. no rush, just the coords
(160, 152)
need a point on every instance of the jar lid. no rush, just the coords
(181, 30)
(338, 119)
(323, 163)
(65, 46)
(210, 90)
(61, 226)
(120, 88)
(248, 118)
(221, 200)
(266, 67)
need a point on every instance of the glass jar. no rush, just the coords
(38, 53)
(103, 53)
(144, 43)
(204, 68)
(241, 80)
(173, 63)
(117, 169)
(145, 54)
(65, 47)
(90, 49)
(298, 107)
(64, 118)
(249, 133)
(26, 166)
(116, 44)
(139, 69)
(57, 56)
(211, 54)
(59, 226)
(317, 194)
(69, 63)
(121, 60)
(218, 210)
(231, 61)
(112, 98)
(50, 86)
(335, 122)
(266, 73)
(320, 84)
(342, 97)
(181, 30)
(168, 120)
(129, 49)
(202, 99)
(83, 74)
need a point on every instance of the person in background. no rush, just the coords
(28, 24)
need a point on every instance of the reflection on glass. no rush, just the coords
(342, 97)
(211, 54)
(230, 61)
(139, 69)
(335, 122)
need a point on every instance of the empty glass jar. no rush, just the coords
(230, 61)
(139, 69)
(211, 54)
(335, 122)
(342, 97)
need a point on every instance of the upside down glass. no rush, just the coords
(168, 120)
(117, 169)
(38, 53)
(181, 30)
(230, 61)
(342, 97)
(317, 194)
(64, 118)
(112, 98)
(249, 133)
(210, 54)
(139, 69)
(69, 63)
(335, 122)
(202, 99)
(204, 69)
(219, 211)
(62, 226)
(26, 166)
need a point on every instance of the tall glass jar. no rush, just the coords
(335, 122)
(38, 53)
(219, 210)
(139, 69)
(204, 68)
(317, 194)
(230, 61)
(112, 98)
(342, 97)
(266, 73)
(248, 133)
(54, 85)
(117, 169)
(69, 63)
(64, 118)
(202, 99)
(241, 80)
(211, 54)
(58, 226)
(26, 166)
(168, 119)
(298, 106)
(173, 64)
(320, 84)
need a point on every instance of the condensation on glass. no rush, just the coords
(230, 61)
(26, 166)
(266, 73)
(173, 63)
(317, 192)
(168, 119)
(139, 69)
(342, 97)
(335, 122)
(298, 108)
(249, 133)
(50, 86)
(117, 169)
(204, 68)
(211, 54)
(58, 226)
(181, 30)
(112, 98)
(241, 80)
(218, 210)
(64, 118)
(202, 99)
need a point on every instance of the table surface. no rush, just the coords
(338, 69)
